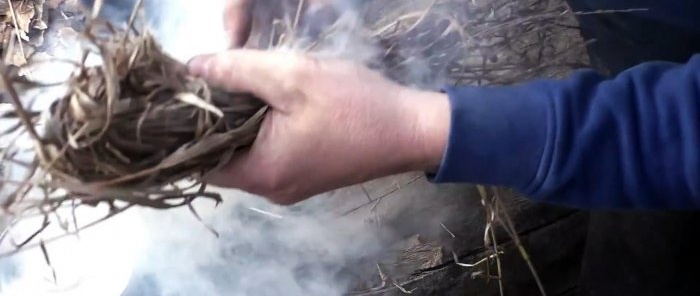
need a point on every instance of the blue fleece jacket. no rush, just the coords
(587, 141)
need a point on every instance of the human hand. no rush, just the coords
(332, 124)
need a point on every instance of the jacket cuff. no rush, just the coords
(498, 135)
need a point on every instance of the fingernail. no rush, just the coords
(198, 65)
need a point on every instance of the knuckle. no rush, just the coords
(222, 67)
(301, 71)
(273, 183)
(213, 71)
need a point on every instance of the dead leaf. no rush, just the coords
(15, 55)
(24, 13)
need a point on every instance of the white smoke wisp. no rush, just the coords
(99, 262)
(262, 249)
(187, 28)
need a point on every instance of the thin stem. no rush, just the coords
(297, 17)
(17, 28)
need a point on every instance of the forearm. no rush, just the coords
(585, 141)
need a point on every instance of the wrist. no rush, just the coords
(428, 115)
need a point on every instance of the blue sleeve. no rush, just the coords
(587, 141)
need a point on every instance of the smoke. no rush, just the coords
(262, 250)
(247, 246)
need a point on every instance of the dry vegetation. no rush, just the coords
(25, 23)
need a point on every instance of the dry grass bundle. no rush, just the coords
(140, 121)
(126, 132)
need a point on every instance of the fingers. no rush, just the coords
(267, 75)
(228, 177)
(244, 173)
(238, 21)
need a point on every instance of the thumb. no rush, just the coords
(261, 73)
